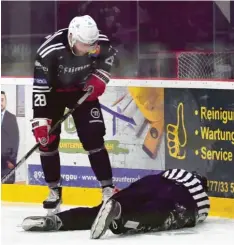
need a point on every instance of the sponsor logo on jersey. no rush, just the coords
(40, 81)
(95, 113)
(66, 69)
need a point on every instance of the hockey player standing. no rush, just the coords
(173, 199)
(68, 63)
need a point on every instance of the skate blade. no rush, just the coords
(101, 223)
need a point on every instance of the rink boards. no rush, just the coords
(223, 207)
(146, 120)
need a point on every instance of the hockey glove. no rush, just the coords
(97, 82)
(41, 128)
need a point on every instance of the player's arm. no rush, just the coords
(102, 71)
(41, 88)
(41, 121)
(105, 62)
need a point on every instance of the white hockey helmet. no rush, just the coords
(83, 29)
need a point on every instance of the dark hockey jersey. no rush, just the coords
(57, 69)
(195, 188)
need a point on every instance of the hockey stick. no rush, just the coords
(57, 124)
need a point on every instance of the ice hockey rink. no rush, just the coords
(213, 230)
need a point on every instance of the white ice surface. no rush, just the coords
(213, 231)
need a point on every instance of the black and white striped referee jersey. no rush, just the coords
(195, 188)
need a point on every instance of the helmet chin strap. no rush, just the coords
(75, 53)
(71, 43)
(72, 49)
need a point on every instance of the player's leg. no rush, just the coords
(78, 218)
(120, 204)
(159, 204)
(72, 219)
(50, 161)
(90, 126)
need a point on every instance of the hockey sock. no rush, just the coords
(101, 166)
(51, 167)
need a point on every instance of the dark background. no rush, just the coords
(138, 29)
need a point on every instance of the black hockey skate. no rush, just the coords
(54, 200)
(42, 223)
(108, 212)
